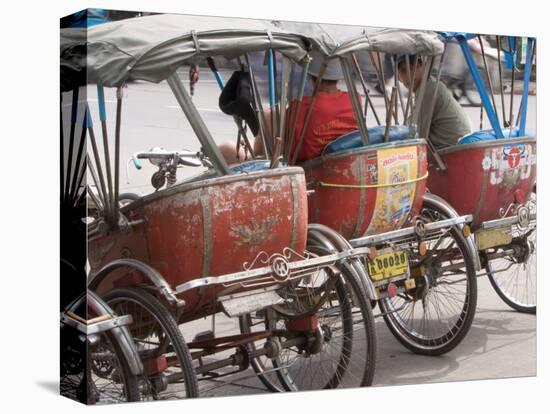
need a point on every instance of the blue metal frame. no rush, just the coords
(526, 78)
(491, 114)
(101, 103)
(219, 79)
(88, 118)
(271, 67)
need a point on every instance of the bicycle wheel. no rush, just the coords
(339, 349)
(97, 373)
(514, 278)
(169, 373)
(434, 317)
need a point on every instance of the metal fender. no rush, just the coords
(335, 242)
(120, 332)
(150, 273)
(439, 203)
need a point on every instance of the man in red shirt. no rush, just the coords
(332, 116)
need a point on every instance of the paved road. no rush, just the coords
(501, 343)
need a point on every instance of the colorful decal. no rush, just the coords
(509, 163)
(393, 203)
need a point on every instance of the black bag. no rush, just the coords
(237, 99)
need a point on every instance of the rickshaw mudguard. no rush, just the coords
(431, 199)
(378, 188)
(154, 277)
(485, 178)
(121, 333)
(336, 242)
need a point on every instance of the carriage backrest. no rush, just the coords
(376, 136)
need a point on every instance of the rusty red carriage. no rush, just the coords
(232, 239)
(499, 166)
(370, 187)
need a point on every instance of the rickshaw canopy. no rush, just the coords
(151, 48)
(335, 40)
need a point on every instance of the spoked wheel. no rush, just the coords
(324, 334)
(167, 363)
(434, 317)
(97, 372)
(514, 278)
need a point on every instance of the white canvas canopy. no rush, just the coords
(153, 47)
(335, 40)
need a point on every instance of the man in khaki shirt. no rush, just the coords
(449, 121)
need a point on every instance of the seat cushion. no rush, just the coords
(376, 136)
(245, 167)
(489, 135)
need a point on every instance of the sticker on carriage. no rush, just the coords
(509, 163)
(393, 203)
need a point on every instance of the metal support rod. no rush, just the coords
(114, 212)
(74, 115)
(489, 81)
(194, 118)
(272, 94)
(416, 113)
(103, 119)
(290, 98)
(296, 110)
(513, 52)
(212, 66)
(420, 94)
(432, 104)
(95, 199)
(97, 183)
(78, 166)
(309, 112)
(390, 113)
(521, 102)
(397, 84)
(381, 77)
(285, 73)
(355, 101)
(266, 142)
(368, 100)
(493, 119)
(526, 79)
(80, 180)
(61, 150)
(411, 77)
(481, 117)
(97, 160)
(501, 82)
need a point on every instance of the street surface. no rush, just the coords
(501, 342)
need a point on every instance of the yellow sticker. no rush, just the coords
(393, 203)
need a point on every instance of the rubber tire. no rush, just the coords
(169, 326)
(131, 382)
(531, 310)
(407, 340)
(355, 290)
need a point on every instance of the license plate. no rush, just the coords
(492, 238)
(388, 265)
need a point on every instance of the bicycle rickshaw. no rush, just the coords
(233, 239)
(370, 187)
(99, 362)
(499, 165)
